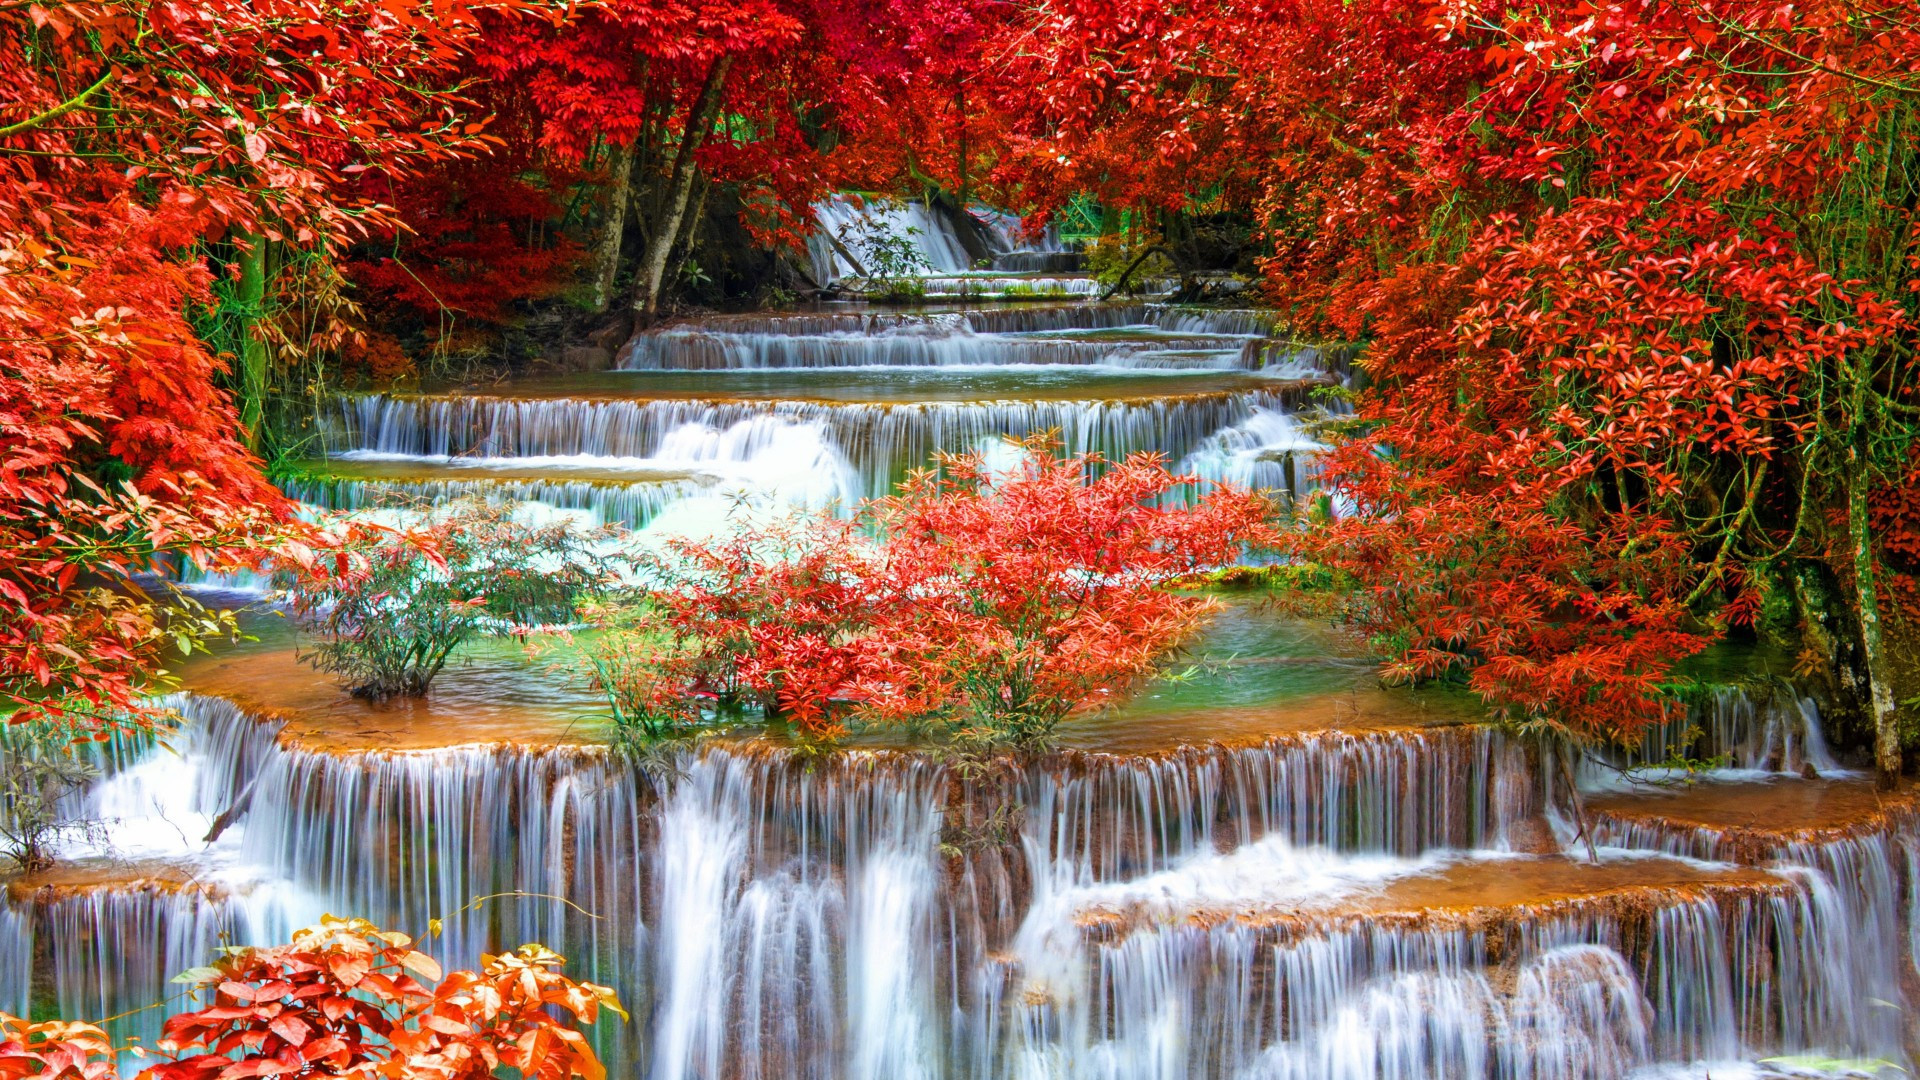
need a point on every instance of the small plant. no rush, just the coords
(892, 262)
(394, 603)
(40, 767)
(645, 675)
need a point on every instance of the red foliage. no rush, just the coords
(998, 604)
(346, 998)
(118, 452)
(782, 614)
(1896, 520)
(1032, 596)
(1601, 255)
(54, 1050)
(131, 133)
(478, 240)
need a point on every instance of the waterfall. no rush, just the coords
(703, 834)
(704, 350)
(1288, 907)
(1127, 336)
(1393, 791)
(928, 234)
(1229, 881)
(1771, 730)
(16, 958)
(1590, 987)
(803, 438)
(599, 502)
(1267, 450)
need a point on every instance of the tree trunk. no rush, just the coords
(680, 185)
(684, 243)
(1886, 734)
(960, 165)
(250, 298)
(613, 227)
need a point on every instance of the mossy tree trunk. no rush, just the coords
(666, 230)
(250, 302)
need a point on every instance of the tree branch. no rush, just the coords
(61, 109)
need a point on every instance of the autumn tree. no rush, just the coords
(1635, 282)
(158, 162)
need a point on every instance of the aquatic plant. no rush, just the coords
(389, 605)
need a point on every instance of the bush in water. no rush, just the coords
(40, 765)
(1032, 595)
(992, 605)
(642, 672)
(348, 999)
(391, 604)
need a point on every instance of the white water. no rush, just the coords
(771, 917)
(929, 235)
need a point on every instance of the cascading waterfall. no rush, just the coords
(880, 441)
(1267, 451)
(1583, 988)
(1203, 912)
(928, 234)
(1772, 730)
(632, 505)
(1397, 791)
(638, 452)
(1398, 900)
(168, 884)
(702, 350)
(925, 232)
(1124, 336)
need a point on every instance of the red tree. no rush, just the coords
(1634, 279)
(135, 141)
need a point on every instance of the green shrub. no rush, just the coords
(391, 605)
(40, 766)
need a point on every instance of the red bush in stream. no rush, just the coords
(993, 604)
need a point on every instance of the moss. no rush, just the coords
(1300, 577)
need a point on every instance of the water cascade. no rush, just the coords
(1280, 870)
(931, 237)
(1295, 906)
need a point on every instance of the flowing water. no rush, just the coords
(1272, 869)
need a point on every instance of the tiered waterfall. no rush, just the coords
(1280, 871)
